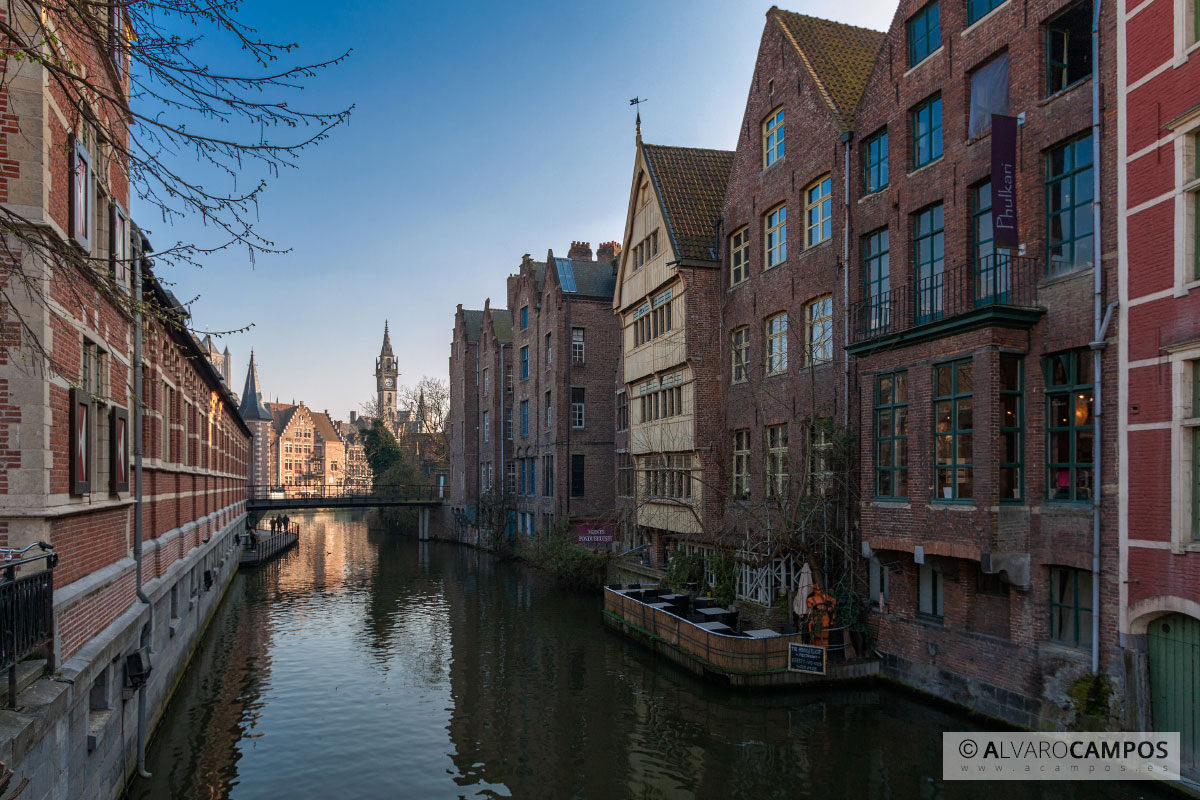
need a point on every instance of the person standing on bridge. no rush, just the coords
(287, 523)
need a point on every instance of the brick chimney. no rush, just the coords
(608, 252)
(580, 250)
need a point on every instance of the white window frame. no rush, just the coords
(823, 204)
(120, 248)
(931, 592)
(811, 341)
(578, 346)
(739, 367)
(774, 126)
(776, 362)
(1183, 359)
(84, 238)
(775, 238)
(739, 255)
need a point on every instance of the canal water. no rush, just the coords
(366, 664)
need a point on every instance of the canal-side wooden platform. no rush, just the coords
(262, 546)
(741, 660)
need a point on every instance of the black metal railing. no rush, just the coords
(265, 542)
(26, 614)
(408, 493)
(997, 279)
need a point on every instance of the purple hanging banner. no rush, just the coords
(1004, 181)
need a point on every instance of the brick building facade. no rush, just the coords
(983, 468)
(1158, 196)
(464, 415)
(68, 430)
(564, 344)
(784, 371)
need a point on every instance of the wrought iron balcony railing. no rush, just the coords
(26, 613)
(997, 279)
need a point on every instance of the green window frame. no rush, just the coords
(1069, 206)
(953, 430)
(1069, 48)
(1070, 464)
(924, 34)
(875, 162)
(877, 278)
(525, 362)
(926, 125)
(1012, 429)
(1071, 606)
(929, 263)
(977, 9)
(891, 435)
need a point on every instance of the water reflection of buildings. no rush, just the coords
(547, 709)
(195, 749)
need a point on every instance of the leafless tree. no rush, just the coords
(132, 79)
(796, 513)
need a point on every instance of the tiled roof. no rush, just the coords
(324, 427)
(592, 278)
(281, 415)
(839, 57)
(502, 325)
(473, 321)
(690, 183)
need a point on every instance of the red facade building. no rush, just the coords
(1158, 179)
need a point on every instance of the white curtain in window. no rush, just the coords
(989, 94)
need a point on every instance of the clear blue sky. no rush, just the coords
(482, 131)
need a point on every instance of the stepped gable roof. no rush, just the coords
(281, 415)
(252, 408)
(839, 57)
(585, 278)
(690, 183)
(502, 325)
(324, 427)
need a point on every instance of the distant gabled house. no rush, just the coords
(667, 301)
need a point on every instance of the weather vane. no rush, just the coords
(637, 101)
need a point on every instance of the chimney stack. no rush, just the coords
(608, 252)
(581, 251)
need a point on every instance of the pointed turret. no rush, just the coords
(387, 341)
(252, 404)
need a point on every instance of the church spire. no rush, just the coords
(252, 404)
(387, 341)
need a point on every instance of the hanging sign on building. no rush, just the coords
(1004, 181)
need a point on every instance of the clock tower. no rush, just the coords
(385, 377)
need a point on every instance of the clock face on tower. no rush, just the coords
(388, 382)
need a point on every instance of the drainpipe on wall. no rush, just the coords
(148, 628)
(1100, 326)
(566, 359)
(847, 137)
